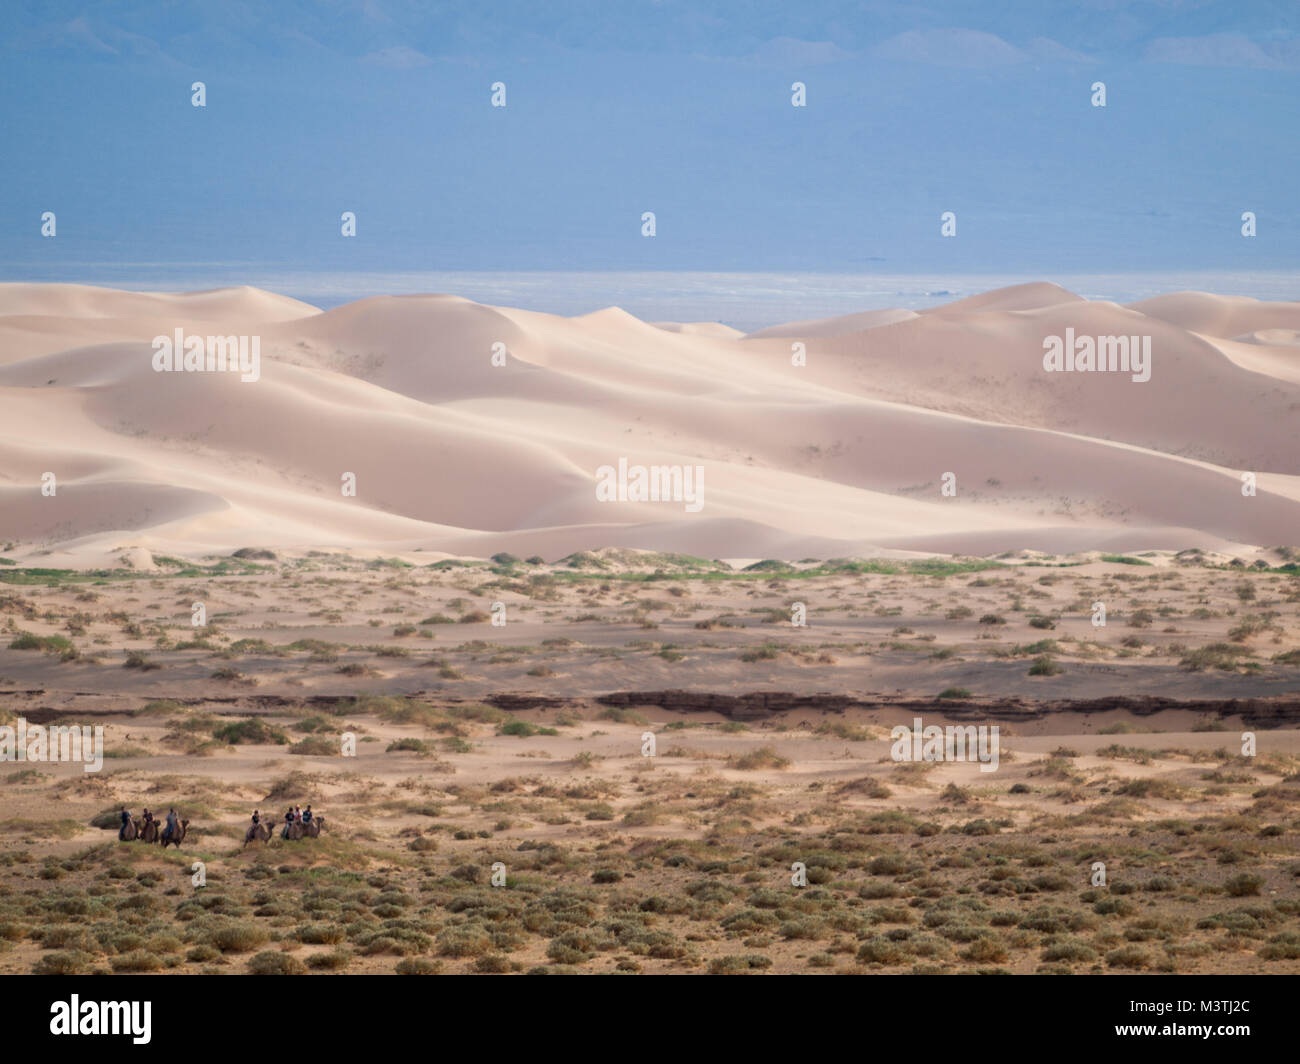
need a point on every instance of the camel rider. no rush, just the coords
(126, 819)
(170, 829)
(148, 817)
(256, 817)
(306, 815)
(297, 815)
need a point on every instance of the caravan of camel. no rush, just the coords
(298, 824)
(146, 829)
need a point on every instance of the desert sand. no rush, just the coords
(841, 457)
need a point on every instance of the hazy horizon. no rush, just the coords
(743, 300)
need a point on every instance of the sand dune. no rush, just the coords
(845, 323)
(1198, 403)
(472, 429)
(86, 301)
(1032, 296)
(1223, 316)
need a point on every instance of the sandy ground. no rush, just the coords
(592, 625)
(524, 745)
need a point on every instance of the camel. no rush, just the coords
(129, 831)
(300, 830)
(257, 831)
(177, 837)
(149, 832)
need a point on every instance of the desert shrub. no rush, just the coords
(334, 960)
(1130, 957)
(1045, 666)
(1069, 949)
(273, 962)
(138, 960)
(417, 966)
(881, 950)
(71, 962)
(763, 757)
(249, 731)
(240, 937)
(1223, 656)
(320, 934)
(465, 940)
(524, 729)
(1243, 885)
(738, 963)
(1283, 947)
(315, 746)
(985, 950)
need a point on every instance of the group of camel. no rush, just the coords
(297, 829)
(151, 831)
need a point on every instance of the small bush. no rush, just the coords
(273, 962)
(1243, 885)
(251, 731)
(417, 966)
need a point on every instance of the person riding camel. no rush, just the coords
(297, 815)
(126, 819)
(306, 815)
(148, 817)
(256, 817)
(170, 829)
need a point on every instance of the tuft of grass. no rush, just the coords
(524, 729)
(50, 644)
(1223, 656)
(249, 732)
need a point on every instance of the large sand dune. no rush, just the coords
(842, 456)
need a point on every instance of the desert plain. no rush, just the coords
(548, 734)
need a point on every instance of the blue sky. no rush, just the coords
(683, 109)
